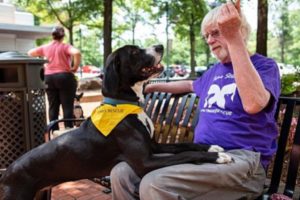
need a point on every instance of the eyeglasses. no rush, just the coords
(214, 34)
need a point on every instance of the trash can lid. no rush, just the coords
(14, 56)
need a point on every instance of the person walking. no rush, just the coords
(60, 80)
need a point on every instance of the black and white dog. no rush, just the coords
(86, 153)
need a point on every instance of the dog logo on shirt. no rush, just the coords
(216, 95)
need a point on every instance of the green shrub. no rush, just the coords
(290, 83)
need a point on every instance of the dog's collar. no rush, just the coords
(112, 101)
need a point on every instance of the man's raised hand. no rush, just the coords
(229, 20)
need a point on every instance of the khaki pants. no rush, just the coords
(242, 179)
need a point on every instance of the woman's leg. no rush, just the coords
(53, 98)
(67, 91)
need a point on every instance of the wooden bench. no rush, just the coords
(175, 118)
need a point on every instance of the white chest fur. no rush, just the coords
(143, 117)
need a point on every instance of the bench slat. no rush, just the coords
(179, 113)
(158, 105)
(185, 126)
(151, 105)
(169, 120)
(159, 123)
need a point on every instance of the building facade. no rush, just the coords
(17, 29)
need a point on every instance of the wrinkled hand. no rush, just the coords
(229, 20)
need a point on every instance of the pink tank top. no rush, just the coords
(58, 56)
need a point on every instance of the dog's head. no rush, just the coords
(128, 68)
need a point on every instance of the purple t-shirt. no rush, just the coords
(222, 119)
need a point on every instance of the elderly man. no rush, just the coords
(238, 99)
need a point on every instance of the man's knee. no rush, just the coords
(124, 182)
(150, 183)
(120, 170)
(123, 174)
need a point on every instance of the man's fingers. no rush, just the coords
(238, 5)
(225, 10)
(234, 7)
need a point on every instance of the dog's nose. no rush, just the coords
(159, 48)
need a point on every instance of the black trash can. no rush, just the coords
(22, 105)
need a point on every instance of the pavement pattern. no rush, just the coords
(79, 190)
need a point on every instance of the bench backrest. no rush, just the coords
(175, 118)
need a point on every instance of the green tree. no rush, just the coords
(89, 43)
(185, 16)
(293, 53)
(283, 43)
(69, 13)
(283, 28)
(133, 12)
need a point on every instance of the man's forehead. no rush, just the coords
(209, 28)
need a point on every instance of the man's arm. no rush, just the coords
(76, 58)
(252, 91)
(175, 87)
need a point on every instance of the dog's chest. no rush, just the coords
(143, 117)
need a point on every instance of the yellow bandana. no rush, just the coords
(106, 117)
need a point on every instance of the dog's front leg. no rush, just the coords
(137, 149)
(149, 163)
(180, 147)
(140, 155)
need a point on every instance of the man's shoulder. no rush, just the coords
(261, 58)
(259, 61)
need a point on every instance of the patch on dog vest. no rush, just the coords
(106, 117)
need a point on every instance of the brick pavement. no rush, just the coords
(79, 190)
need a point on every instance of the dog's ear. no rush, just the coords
(111, 76)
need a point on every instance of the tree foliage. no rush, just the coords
(131, 18)
(132, 12)
(285, 35)
(185, 16)
(68, 13)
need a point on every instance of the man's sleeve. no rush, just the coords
(270, 76)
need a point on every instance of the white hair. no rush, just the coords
(211, 19)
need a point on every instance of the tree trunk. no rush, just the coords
(107, 29)
(134, 22)
(262, 27)
(70, 29)
(207, 53)
(192, 51)
(282, 47)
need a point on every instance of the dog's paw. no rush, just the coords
(224, 158)
(215, 148)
